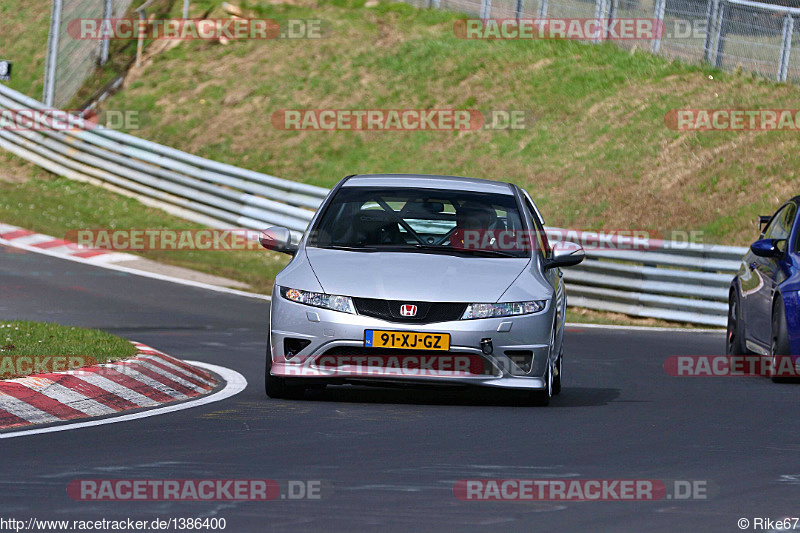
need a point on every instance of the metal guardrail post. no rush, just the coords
(541, 11)
(612, 12)
(711, 30)
(786, 47)
(52, 54)
(140, 38)
(142, 11)
(599, 14)
(658, 15)
(185, 9)
(486, 9)
(722, 30)
(605, 11)
(104, 43)
(518, 7)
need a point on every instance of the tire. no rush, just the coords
(557, 377)
(541, 398)
(779, 343)
(277, 387)
(734, 344)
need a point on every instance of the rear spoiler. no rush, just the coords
(763, 220)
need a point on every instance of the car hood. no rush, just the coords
(414, 276)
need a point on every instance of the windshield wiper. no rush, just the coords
(422, 247)
(463, 251)
(347, 248)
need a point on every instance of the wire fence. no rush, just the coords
(729, 34)
(71, 61)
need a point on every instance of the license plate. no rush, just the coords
(376, 338)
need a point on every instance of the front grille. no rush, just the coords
(427, 312)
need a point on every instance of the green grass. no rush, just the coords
(23, 40)
(595, 153)
(54, 205)
(43, 340)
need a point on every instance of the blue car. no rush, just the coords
(763, 306)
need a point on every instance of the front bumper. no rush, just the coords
(522, 346)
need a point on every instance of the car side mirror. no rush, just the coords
(766, 248)
(278, 239)
(565, 254)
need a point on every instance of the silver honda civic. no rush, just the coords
(415, 279)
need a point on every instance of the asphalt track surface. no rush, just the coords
(393, 455)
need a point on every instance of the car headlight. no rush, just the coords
(500, 310)
(319, 299)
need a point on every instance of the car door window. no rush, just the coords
(542, 244)
(780, 226)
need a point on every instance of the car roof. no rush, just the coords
(426, 181)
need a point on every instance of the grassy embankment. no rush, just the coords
(55, 347)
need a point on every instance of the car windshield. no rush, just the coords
(425, 220)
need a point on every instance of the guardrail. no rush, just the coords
(680, 282)
(189, 186)
(675, 281)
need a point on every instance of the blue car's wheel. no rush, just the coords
(735, 334)
(779, 346)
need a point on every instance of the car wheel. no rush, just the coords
(541, 398)
(779, 346)
(558, 373)
(735, 335)
(277, 387)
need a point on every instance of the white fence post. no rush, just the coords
(541, 11)
(486, 9)
(711, 30)
(105, 41)
(786, 47)
(722, 30)
(658, 15)
(518, 7)
(52, 54)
